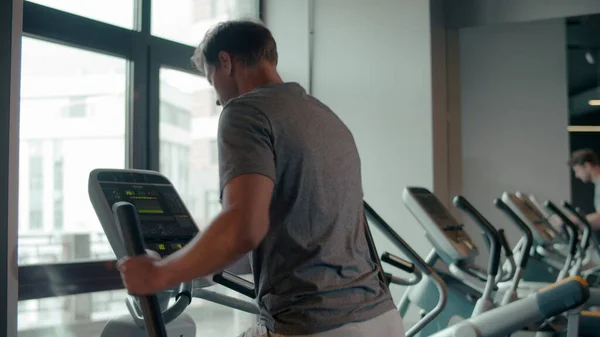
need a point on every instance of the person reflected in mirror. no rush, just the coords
(586, 167)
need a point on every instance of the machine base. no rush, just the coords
(124, 326)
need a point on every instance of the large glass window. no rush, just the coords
(115, 12)
(36, 184)
(75, 109)
(73, 119)
(190, 19)
(187, 152)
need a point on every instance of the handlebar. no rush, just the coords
(235, 282)
(461, 203)
(504, 243)
(126, 217)
(573, 239)
(509, 256)
(567, 222)
(398, 262)
(416, 259)
(522, 226)
(404, 265)
(587, 231)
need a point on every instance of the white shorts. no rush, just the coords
(388, 324)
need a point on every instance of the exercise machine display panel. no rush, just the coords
(442, 228)
(165, 222)
(532, 216)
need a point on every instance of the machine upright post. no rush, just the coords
(126, 217)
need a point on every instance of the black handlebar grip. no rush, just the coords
(486, 241)
(567, 222)
(587, 231)
(398, 262)
(504, 242)
(495, 254)
(236, 283)
(388, 279)
(522, 226)
(126, 217)
(391, 234)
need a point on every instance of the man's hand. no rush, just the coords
(142, 274)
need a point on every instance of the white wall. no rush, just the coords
(372, 66)
(289, 24)
(514, 114)
(465, 13)
(377, 77)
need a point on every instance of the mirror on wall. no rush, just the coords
(583, 68)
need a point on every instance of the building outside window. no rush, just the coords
(74, 117)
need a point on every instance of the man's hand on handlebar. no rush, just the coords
(142, 274)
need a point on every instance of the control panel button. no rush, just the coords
(161, 248)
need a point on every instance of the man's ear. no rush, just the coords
(225, 62)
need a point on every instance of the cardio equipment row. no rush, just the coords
(141, 209)
(555, 260)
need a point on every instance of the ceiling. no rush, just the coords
(583, 37)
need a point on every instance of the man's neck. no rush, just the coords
(257, 76)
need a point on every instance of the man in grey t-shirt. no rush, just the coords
(586, 166)
(292, 195)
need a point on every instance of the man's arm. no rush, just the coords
(594, 219)
(247, 174)
(238, 229)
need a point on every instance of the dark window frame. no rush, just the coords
(146, 55)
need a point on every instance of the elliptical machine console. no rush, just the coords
(543, 232)
(546, 261)
(166, 226)
(453, 254)
(443, 231)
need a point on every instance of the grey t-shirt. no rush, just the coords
(313, 271)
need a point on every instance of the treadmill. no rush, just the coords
(123, 197)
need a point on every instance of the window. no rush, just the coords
(75, 108)
(115, 12)
(58, 185)
(188, 22)
(203, 10)
(185, 155)
(214, 152)
(173, 115)
(75, 103)
(213, 204)
(55, 79)
(36, 185)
